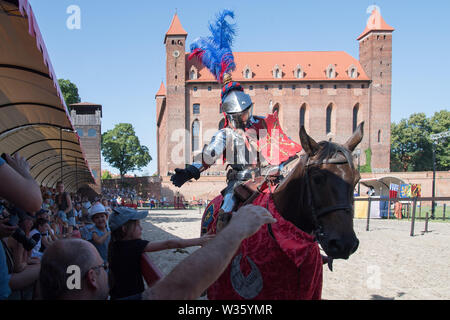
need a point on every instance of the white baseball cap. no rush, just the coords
(97, 208)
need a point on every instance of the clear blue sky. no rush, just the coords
(117, 58)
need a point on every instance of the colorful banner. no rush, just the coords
(405, 191)
(416, 190)
(393, 190)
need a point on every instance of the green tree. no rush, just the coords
(106, 175)
(412, 147)
(122, 150)
(69, 91)
(440, 122)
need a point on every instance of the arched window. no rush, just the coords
(353, 73)
(331, 73)
(195, 135)
(302, 115)
(379, 136)
(80, 132)
(328, 121)
(355, 117)
(277, 73)
(193, 75)
(298, 72)
(92, 133)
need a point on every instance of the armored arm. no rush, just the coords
(202, 161)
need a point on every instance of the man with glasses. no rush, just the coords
(65, 260)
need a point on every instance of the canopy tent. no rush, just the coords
(381, 185)
(34, 118)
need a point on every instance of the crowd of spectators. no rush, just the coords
(45, 231)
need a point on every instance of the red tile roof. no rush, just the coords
(375, 23)
(175, 29)
(314, 66)
(161, 91)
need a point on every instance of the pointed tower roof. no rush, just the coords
(162, 91)
(375, 23)
(175, 29)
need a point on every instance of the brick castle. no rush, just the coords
(329, 93)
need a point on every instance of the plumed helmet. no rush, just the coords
(234, 100)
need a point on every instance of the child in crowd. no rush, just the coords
(127, 247)
(100, 231)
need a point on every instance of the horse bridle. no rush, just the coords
(317, 214)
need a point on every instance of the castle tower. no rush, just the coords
(86, 118)
(175, 113)
(375, 55)
(161, 127)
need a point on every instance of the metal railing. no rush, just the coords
(414, 202)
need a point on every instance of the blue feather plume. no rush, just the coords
(214, 51)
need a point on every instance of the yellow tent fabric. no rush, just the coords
(34, 119)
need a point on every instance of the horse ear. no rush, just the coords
(356, 138)
(309, 145)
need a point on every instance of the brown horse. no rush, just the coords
(314, 203)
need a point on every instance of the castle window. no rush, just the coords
(321, 86)
(302, 115)
(353, 73)
(293, 87)
(266, 87)
(349, 86)
(280, 87)
(331, 72)
(92, 133)
(355, 117)
(335, 87)
(363, 86)
(195, 135)
(193, 73)
(251, 87)
(277, 73)
(328, 120)
(308, 87)
(298, 72)
(196, 108)
(195, 89)
(381, 74)
(80, 132)
(209, 88)
(379, 136)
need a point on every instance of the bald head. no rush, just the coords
(55, 263)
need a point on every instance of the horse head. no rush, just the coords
(317, 195)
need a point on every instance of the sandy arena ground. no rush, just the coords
(389, 264)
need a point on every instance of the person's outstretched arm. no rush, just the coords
(18, 186)
(177, 243)
(197, 272)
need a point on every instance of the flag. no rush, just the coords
(416, 190)
(405, 191)
(393, 190)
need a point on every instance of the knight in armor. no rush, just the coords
(252, 146)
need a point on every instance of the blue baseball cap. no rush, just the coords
(122, 215)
